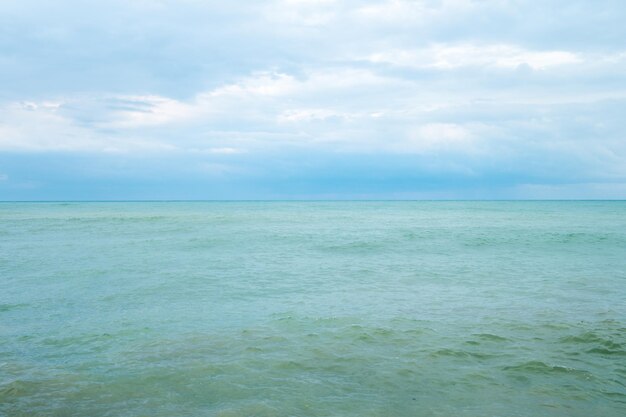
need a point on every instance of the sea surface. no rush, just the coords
(361, 309)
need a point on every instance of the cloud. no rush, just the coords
(414, 12)
(345, 110)
(152, 110)
(526, 91)
(307, 13)
(446, 57)
(222, 151)
(441, 135)
(261, 84)
(311, 115)
(37, 127)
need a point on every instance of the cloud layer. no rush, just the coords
(313, 99)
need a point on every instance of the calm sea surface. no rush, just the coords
(313, 309)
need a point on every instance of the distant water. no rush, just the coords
(313, 309)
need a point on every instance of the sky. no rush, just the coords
(312, 99)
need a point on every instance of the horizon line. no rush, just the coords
(314, 200)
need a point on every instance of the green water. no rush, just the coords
(313, 309)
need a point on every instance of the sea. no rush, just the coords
(353, 308)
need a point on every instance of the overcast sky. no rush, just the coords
(306, 99)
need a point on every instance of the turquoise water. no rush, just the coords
(313, 309)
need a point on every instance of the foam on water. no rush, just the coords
(313, 309)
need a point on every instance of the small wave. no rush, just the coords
(491, 337)
(538, 367)
(15, 389)
(588, 337)
(358, 246)
(601, 345)
(605, 351)
(461, 354)
(617, 395)
(9, 307)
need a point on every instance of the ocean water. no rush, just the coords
(313, 309)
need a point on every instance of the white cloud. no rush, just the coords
(340, 109)
(311, 115)
(276, 84)
(260, 84)
(447, 56)
(35, 127)
(451, 132)
(151, 110)
(299, 13)
(432, 137)
(223, 151)
(411, 11)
